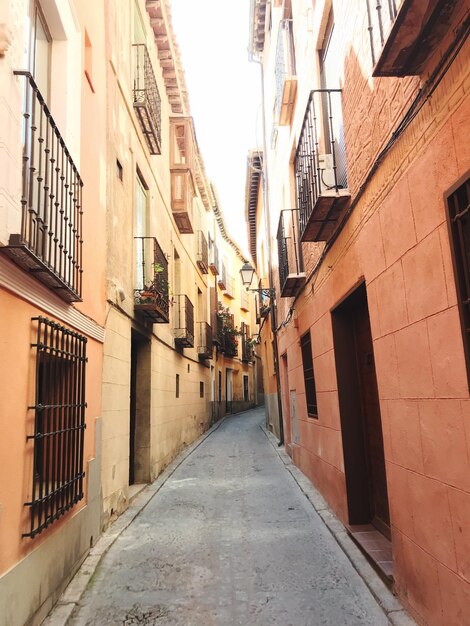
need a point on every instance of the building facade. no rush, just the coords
(368, 174)
(173, 359)
(125, 331)
(52, 306)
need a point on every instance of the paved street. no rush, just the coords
(229, 539)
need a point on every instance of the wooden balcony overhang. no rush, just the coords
(289, 94)
(327, 212)
(292, 284)
(416, 32)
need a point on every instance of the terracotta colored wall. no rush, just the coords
(396, 240)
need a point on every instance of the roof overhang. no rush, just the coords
(253, 177)
(257, 26)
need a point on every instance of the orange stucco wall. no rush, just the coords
(17, 374)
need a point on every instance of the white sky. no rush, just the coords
(224, 94)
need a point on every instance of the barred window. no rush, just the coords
(459, 224)
(309, 378)
(59, 424)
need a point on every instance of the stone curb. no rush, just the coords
(61, 612)
(390, 605)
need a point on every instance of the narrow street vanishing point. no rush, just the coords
(229, 539)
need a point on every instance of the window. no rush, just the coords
(220, 386)
(201, 389)
(246, 389)
(309, 378)
(177, 392)
(59, 424)
(39, 49)
(459, 225)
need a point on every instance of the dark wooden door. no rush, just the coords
(361, 424)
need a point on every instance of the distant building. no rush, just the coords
(367, 176)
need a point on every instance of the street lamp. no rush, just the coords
(247, 272)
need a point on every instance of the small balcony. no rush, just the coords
(151, 292)
(147, 101)
(202, 257)
(226, 337)
(230, 287)
(204, 340)
(222, 281)
(214, 259)
(244, 300)
(405, 33)
(320, 167)
(49, 245)
(291, 274)
(247, 348)
(182, 170)
(285, 74)
(184, 322)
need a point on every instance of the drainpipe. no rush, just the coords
(264, 178)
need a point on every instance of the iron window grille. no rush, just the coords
(49, 245)
(309, 377)
(320, 165)
(147, 100)
(458, 213)
(59, 424)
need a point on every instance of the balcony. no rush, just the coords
(320, 167)
(291, 274)
(204, 341)
(213, 259)
(183, 190)
(226, 336)
(184, 322)
(286, 80)
(151, 292)
(222, 281)
(147, 101)
(244, 300)
(49, 246)
(230, 287)
(247, 348)
(405, 33)
(202, 257)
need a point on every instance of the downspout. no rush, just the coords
(264, 178)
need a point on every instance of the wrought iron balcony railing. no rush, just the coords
(226, 336)
(247, 349)
(204, 341)
(151, 291)
(184, 321)
(202, 257)
(320, 166)
(286, 81)
(404, 34)
(291, 274)
(49, 245)
(147, 101)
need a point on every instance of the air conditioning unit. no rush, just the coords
(326, 171)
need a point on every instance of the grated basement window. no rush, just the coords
(459, 226)
(59, 424)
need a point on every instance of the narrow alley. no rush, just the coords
(229, 539)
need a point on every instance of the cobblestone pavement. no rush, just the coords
(229, 539)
